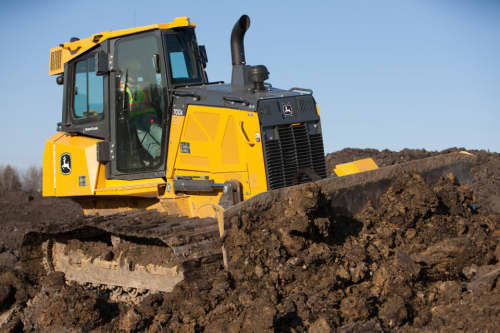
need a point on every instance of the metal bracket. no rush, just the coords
(231, 194)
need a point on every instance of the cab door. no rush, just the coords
(85, 100)
(139, 117)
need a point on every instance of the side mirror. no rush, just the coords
(101, 61)
(203, 54)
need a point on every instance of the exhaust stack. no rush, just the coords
(239, 77)
(245, 77)
(237, 35)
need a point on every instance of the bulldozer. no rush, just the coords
(157, 155)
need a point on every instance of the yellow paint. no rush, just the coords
(366, 164)
(230, 144)
(83, 165)
(70, 50)
(147, 189)
(350, 168)
(49, 166)
(225, 147)
(194, 162)
(208, 120)
(176, 126)
(221, 153)
(92, 165)
(195, 130)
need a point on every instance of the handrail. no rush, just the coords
(244, 134)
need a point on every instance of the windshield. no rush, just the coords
(183, 61)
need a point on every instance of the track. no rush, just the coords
(136, 251)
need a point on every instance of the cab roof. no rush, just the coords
(70, 50)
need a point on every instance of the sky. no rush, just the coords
(386, 74)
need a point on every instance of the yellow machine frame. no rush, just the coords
(224, 145)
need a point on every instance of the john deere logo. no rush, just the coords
(287, 110)
(66, 163)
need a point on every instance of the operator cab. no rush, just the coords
(121, 91)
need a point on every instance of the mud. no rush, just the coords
(486, 177)
(422, 258)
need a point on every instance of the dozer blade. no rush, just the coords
(350, 194)
(136, 251)
(358, 166)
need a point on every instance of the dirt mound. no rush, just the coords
(381, 157)
(421, 258)
(391, 266)
(59, 307)
(486, 176)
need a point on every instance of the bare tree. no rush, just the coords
(2, 187)
(32, 179)
(10, 180)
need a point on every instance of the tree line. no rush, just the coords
(13, 180)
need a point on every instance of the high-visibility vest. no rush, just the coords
(139, 101)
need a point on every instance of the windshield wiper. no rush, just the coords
(197, 84)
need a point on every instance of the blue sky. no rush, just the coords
(386, 74)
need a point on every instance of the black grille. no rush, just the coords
(290, 153)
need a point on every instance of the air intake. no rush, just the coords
(56, 61)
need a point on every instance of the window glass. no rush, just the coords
(80, 100)
(184, 65)
(179, 68)
(142, 105)
(88, 101)
(96, 91)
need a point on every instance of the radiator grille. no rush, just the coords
(56, 60)
(291, 151)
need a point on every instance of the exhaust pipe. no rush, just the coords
(237, 47)
(243, 76)
(239, 77)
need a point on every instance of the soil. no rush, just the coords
(423, 258)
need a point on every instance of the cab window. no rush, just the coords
(88, 91)
(178, 64)
(184, 65)
(140, 136)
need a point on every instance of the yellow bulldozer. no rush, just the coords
(155, 153)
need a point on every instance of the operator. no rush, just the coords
(142, 114)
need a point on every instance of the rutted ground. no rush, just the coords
(421, 258)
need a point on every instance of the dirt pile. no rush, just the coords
(403, 265)
(486, 176)
(423, 257)
(382, 158)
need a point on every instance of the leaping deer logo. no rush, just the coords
(66, 164)
(287, 110)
